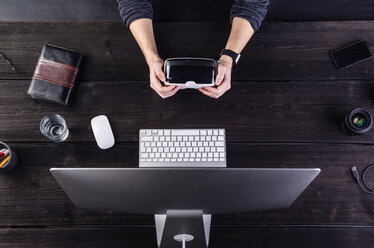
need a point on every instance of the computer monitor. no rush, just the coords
(183, 199)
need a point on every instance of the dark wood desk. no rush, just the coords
(283, 111)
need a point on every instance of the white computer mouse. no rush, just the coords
(102, 131)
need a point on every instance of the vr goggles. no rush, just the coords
(191, 73)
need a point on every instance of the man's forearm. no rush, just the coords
(142, 30)
(241, 33)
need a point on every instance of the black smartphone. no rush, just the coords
(351, 54)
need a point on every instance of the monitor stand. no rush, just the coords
(185, 226)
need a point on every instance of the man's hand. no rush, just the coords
(223, 78)
(156, 76)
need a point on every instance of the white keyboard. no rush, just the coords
(182, 148)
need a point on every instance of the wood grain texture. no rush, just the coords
(281, 51)
(32, 197)
(262, 237)
(250, 111)
(183, 11)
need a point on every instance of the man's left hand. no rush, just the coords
(223, 78)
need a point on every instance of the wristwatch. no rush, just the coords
(235, 56)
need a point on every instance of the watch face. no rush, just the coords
(237, 59)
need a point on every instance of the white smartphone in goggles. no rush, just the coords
(192, 73)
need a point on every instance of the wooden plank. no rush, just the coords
(220, 237)
(281, 51)
(30, 196)
(250, 111)
(189, 11)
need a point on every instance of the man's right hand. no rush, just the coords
(157, 76)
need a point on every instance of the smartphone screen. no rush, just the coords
(351, 54)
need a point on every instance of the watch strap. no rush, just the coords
(235, 56)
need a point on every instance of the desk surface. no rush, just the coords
(283, 111)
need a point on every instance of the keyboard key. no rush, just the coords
(209, 132)
(147, 138)
(215, 132)
(167, 132)
(219, 143)
(220, 149)
(221, 132)
(185, 132)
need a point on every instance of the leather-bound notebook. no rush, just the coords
(55, 74)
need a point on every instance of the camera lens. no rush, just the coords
(358, 121)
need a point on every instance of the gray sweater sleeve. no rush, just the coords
(130, 10)
(253, 11)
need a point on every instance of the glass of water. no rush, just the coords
(54, 127)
